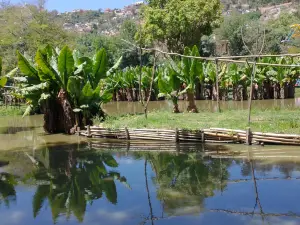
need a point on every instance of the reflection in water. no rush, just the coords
(184, 181)
(71, 180)
(7, 186)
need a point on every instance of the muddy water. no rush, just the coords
(59, 179)
(117, 108)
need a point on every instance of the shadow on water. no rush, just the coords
(14, 130)
(70, 177)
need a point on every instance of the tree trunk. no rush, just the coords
(277, 91)
(244, 93)
(198, 90)
(134, 95)
(214, 93)
(51, 116)
(68, 114)
(291, 89)
(284, 91)
(175, 105)
(129, 94)
(115, 96)
(260, 92)
(191, 102)
(254, 92)
(208, 92)
(223, 94)
(266, 89)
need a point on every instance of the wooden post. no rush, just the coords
(248, 136)
(251, 91)
(89, 131)
(202, 136)
(217, 85)
(127, 134)
(176, 135)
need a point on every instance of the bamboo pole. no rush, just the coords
(217, 85)
(251, 92)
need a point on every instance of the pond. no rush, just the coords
(79, 184)
(60, 179)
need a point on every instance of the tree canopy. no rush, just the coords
(178, 23)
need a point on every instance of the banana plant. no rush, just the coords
(3, 79)
(190, 70)
(262, 79)
(169, 85)
(64, 83)
(237, 79)
(130, 81)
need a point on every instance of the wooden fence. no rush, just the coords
(212, 135)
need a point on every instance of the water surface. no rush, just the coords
(80, 184)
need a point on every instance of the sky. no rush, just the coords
(69, 5)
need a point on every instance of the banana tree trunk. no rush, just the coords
(208, 92)
(175, 105)
(129, 94)
(115, 96)
(254, 92)
(244, 93)
(284, 91)
(52, 121)
(291, 89)
(235, 92)
(68, 114)
(277, 91)
(223, 94)
(266, 89)
(199, 90)
(260, 92)
(214, 92)
(192, 108)
(134, 95)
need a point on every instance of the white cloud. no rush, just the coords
(115, 216)
(12, 218)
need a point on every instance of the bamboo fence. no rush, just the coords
(211, 135)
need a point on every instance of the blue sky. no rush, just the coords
(68, 5)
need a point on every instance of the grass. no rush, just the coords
(271, 120)
(12, 110)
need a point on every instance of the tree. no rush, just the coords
(190, 70)
(26, 28)
(169, 85)
(178, 23)
(63, 84)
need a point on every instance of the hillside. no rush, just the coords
(105, 22)
(108, 21)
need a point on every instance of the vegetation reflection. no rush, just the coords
(7, 187)
(185, 180)
(72, 179)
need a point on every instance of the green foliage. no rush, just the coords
(80, 77)
(172, 22)
(26, 29)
